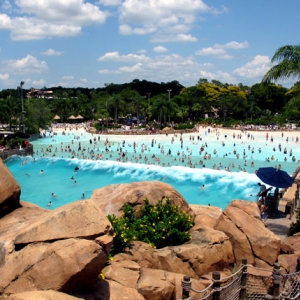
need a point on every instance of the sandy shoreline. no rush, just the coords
(290, 134)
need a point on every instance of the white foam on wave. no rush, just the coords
(177, 173)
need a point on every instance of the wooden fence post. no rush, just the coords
(216, 285)
(276, 280)
(243, 294)
(186, 285)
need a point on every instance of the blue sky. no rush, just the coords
(89, 43)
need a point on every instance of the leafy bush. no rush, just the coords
(160, 226)
(183, 126)
(295, 227)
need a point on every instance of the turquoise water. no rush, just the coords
(220, 186)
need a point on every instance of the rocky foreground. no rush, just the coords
(59, 254)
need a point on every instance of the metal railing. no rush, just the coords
(244, 284)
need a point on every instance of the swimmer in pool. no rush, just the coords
(53, 195)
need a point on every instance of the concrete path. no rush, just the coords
(280, 222)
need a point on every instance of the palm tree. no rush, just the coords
(160, 105)
(117, 102)
(4, 111)
(182, 112)
(288, 66)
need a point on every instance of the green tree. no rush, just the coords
(38, 115)
(182, 112)
(160, 106)
(117, 102)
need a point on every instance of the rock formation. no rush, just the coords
(291, 244)
(9, 191)
(250, 239)
(44, 253)
(205, 216)
(112, 198)
(63, 250)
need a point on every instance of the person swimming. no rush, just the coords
(53, 195)
(76, 169)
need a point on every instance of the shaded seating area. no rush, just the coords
(272, 202)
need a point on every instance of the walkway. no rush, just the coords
(280, 223)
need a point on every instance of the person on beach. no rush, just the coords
(263, 210)
(262, 191)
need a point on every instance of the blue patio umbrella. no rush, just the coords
(275, 177)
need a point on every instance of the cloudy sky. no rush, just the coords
(88, 43)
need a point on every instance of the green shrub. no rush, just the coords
(184, 126)
(160, 226)
(295, 226)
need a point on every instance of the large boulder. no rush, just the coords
(205, 216)
(62, 250)
(291, 244)
(112, 198)
(42, 295)
(143, 283)
(121, 292)
(208, 250)
(250, 239)
(289, 263)
(9, 191)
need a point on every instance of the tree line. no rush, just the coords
(166, 103)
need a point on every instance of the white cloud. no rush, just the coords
(52, 52)
(166, 17)
(28, 64)
(104, 71)
(135, 68)
(116, 57)
(218, 49)
(185, 69)
(110, 2)
(180, 38)
(4, 76)
(234, 45)
(40, 82)
(210, 51)
(83, 80)
(254, 69)
(142, 51)
(48, 18)
(67, 78)
(159, 49)
(127, 30)
(160, 68)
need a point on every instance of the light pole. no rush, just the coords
(22, 102)
(148, 106)
(169, 91)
